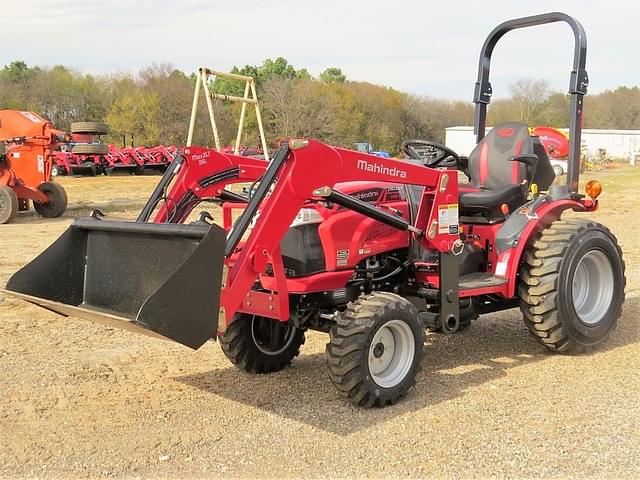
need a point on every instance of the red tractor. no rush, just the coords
(371, 250)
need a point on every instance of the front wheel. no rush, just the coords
(572, 285)
(375, 350)
(260, 344)
(57, 203)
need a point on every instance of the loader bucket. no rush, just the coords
(156, 279)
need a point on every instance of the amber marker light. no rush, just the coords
(593, 188)
(296, 143)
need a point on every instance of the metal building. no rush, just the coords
(619, 144)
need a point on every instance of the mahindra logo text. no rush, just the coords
(377, 168)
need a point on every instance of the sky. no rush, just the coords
(422, 47)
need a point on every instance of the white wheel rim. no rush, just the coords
(391, 353)
(593, 284)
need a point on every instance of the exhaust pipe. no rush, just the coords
(162, 280)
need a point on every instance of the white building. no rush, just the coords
(621, 144)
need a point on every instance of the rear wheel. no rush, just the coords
(375, 350)
(572, 285)
(57, 203)
(8, 204)
(260, 344)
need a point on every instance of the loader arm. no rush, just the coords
(196, 175)
(308, 169)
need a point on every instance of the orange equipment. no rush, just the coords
(26, 143)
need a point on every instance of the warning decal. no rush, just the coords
(448, 219)
(342, 258)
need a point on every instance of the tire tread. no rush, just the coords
(539, 279)
(349, 341)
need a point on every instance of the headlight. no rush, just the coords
(305, 216)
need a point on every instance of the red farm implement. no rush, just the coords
(98, 159)
(27, 142)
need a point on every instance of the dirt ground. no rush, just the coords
(83, 400)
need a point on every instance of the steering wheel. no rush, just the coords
(431, 154)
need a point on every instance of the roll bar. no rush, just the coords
(577, 85)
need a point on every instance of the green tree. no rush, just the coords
(174, 92)
(332, 75)
(138, 114)
(16, 71)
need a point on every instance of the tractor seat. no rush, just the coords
(512, 195)
(497, 180)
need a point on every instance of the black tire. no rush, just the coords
(352, 343)
(55, 170)
(91, 167)
(552, 274)
(57, 203)
(90, 128)
(245, 343)
(8, 204)
(90, 149)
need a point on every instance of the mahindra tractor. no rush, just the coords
(371, 250)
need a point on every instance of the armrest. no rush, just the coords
(529, 159)
(463, 166)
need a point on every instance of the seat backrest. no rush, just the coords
(489, 164)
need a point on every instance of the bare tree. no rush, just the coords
(530, 98)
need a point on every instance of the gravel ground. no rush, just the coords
(83, 400)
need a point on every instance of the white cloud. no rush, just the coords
(424, 47)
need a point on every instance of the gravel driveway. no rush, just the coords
(83, 400)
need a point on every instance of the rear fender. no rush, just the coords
(520, 229)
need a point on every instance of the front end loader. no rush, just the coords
(371, 250)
